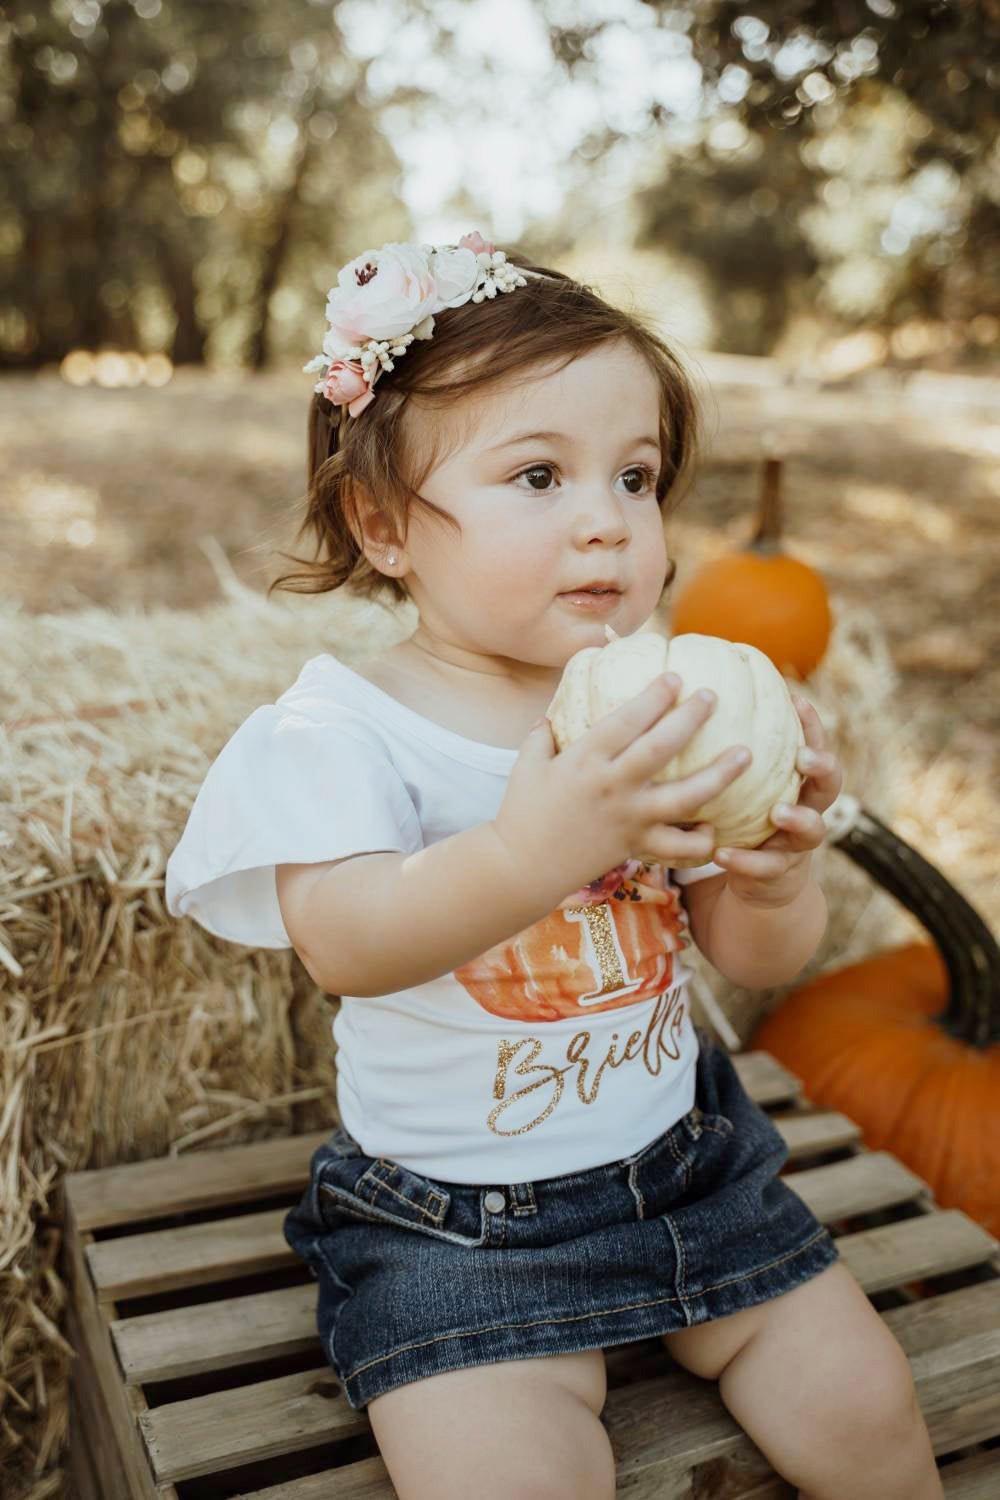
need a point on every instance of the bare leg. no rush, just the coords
(818, 1382)
(525, 1427)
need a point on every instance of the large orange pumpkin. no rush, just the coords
(761, 595)
(907, 1043)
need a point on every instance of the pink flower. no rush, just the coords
(475, 243)
(345, 385)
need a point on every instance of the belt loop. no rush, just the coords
(523, 1198)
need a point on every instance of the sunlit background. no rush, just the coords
(804, 197)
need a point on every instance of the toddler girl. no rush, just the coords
(538, 1155)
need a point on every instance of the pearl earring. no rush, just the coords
(391, 558)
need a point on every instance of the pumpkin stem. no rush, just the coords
(963, 939)
(767, 538)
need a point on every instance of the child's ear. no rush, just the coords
(373, 531)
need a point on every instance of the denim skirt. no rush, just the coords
(417, 1276)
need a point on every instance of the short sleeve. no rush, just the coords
(696, 872)
(284, 789)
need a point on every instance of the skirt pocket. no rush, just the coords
(353, 1188)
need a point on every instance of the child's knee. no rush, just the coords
(529, 1428)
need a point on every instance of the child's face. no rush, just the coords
(585, 510)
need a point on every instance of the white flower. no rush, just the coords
(381, 294)
(456, 273)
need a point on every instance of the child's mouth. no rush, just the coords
(601, 599)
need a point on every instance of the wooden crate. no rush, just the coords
(199, 1374)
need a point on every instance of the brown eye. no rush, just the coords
(534, 470)
(646, 477)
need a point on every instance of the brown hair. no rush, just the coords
(472, 347)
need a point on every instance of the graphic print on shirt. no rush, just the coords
(591, 954)
(606, 947)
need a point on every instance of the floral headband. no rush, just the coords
(384, 299)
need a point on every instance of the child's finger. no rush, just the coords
(812, 726)
(822, 783)
(802, 825)
(754, 864)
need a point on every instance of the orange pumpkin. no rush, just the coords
(761, 595)
(907, 1043)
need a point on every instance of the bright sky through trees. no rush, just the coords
(504, 129)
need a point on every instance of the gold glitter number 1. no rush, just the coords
(603, 951)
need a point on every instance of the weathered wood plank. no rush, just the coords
(859, 1185)
(809, 1134)
(161, 1260)
(935, 1321)
(959, 1390)
(99, 1394)
(217, 1335)
(764, 1078)
(913, 1249)
(166, 1185)
(206, 1434)
(366, 1480)
(976, 1478)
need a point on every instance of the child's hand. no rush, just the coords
(775, 872)
(576, 814)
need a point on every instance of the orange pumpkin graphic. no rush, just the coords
(590, 954)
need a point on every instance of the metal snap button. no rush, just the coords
(494, 1203)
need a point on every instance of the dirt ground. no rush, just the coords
(105, 495)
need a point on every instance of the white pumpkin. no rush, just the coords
(754, 708)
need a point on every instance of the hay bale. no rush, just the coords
(127, 1034)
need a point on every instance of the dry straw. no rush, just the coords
(125, 1034)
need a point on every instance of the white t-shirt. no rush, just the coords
(569, 1046)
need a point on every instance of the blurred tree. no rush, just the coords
(789, 147)
(154, 164)
(182, 174)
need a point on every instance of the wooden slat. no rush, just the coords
(929, 1245)
(976, 1478)
(674, 1420)
(99, 1394)
(935, 1321)
(162, 1260)
(207, 1434)
(764, 1078)
(808, 1134)
(959, 1385)
(217, 1335)
(167, 1185)
(238, 1330)
(860, 1184)
(366, 1480)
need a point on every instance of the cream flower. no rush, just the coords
(381, 294)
